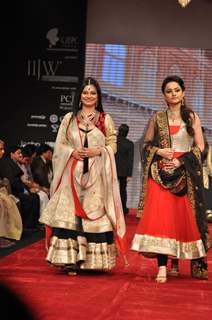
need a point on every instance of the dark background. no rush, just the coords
(28, 101)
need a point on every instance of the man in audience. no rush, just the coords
(24, 163)
(41, 166)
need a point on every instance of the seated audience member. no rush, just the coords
(29, 202)
(10, 218)
(32, 148)
(42, 166)
(27, 178)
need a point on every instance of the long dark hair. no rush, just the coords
(206, 149)
(184, 110)
(77, 105)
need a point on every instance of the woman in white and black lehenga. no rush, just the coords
(84, 220)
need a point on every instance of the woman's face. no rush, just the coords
(89, 96)
(1, 150)
(173, 93)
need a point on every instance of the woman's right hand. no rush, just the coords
(78, 154)
(166, 153)
(81, 154)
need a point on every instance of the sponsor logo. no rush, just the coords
(53, 118)
(60, 42)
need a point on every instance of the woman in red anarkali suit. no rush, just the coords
(171, 207)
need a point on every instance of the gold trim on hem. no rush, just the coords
(98, 226)
(86, 256)
(180, 250)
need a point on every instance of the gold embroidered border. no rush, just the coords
(95, 256)
(172, 247)
(161, 124)
(145, 178)
(163, 129)
(191, 191)
(98, 226)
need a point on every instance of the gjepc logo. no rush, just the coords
(60, 42)
(52, 36)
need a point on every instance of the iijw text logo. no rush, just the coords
(38, 68)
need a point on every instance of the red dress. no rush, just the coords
(168, 225)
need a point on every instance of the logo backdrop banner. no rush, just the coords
(43, 69)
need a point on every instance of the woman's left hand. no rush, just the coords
(172, 164)
(176, 163)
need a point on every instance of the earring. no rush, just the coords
(183, 102)
(80, 105)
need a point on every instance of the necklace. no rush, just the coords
(174, 115)
(88, 120)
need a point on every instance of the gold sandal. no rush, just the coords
(161, 276)
(161, 279)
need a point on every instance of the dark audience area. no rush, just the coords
(25, 178)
